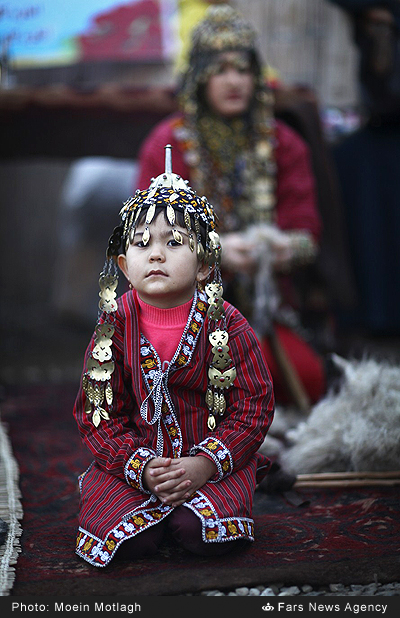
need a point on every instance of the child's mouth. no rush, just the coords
(156, 273)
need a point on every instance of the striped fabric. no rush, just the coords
(114, 505)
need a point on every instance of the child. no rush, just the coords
(175, 397)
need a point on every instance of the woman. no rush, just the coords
(256, 172)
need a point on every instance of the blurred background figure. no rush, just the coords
(368, 165)
(257, 173)
(91, 191)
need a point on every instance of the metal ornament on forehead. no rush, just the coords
(169, 191)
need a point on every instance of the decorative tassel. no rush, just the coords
(177, 236)
(150, 214)
(146, 236)
(211, 422)
(171, 213)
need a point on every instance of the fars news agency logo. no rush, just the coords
(268, 607)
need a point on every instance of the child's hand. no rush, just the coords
(194, 473)
(164, 479)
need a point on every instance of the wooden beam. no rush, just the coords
(348, 479)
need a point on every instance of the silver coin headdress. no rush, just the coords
(169, 192)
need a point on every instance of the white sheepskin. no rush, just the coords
(355, 428)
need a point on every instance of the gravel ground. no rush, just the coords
(332, 590)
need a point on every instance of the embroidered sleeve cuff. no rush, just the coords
(135, 466)
(218, 453)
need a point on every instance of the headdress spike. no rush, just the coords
(168, 159)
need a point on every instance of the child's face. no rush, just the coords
(163, 272)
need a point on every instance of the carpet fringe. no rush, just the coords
(11, 512)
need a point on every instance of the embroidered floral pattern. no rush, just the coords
(219, 453)
(219, 530)
(99, 553)
(135, 467)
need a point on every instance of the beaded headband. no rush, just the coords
(172, 194)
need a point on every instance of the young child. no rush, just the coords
(175, 398)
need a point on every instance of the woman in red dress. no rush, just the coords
(256, 172)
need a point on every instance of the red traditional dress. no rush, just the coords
(163, 413)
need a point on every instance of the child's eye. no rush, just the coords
(174, 243)
(139, 243)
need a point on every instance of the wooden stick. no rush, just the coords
(332, 476)
(289, 373)
(347, 483)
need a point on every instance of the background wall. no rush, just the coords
(308, 42)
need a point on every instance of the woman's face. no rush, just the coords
(230, 89)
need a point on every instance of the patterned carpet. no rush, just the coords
(10, 513)
(336, 535)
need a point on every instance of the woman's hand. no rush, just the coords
(237, 253)
(242, 253)
(282, 252)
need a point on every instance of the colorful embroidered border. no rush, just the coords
(99, 553)
(151, 363)
(219, 530)
(150, 359)
(192, 332)
(221, 456)
(172, 426)
(135, 466)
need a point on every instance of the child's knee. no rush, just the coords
(186, 528)
(143, 544)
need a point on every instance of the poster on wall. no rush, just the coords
(40, 33)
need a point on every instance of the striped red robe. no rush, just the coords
(114, 506)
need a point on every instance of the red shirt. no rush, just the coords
(163, 327)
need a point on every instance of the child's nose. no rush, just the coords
(156, 254)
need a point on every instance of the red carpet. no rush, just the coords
(341, 536)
